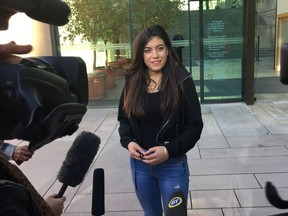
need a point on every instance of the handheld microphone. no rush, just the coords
(78, 160)
(177, 204)
(53, 12)
(98, 194)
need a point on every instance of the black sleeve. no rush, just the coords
(125, 132)
(191, 125)
(15, 200)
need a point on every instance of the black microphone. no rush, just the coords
(177, 204)
(78, 160)
(274, 197)
(98, 194)
(53, 12)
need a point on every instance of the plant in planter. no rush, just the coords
(97, 85)
(110, 75)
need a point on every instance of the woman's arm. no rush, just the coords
(191, 124)
(125, 132)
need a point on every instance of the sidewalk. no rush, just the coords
(241, 148)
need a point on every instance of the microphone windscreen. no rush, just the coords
(79, 158)
(53, 12)
(177, 204)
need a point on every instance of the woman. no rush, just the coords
(160, 120)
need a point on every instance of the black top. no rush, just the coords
(150, 125)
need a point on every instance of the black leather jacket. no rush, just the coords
(181, 127)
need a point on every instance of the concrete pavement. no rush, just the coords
(241, 148)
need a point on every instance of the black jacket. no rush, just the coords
(181, 128)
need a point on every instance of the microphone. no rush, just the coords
(78, 160)
(177, 204)
(53, 12)
(274, 197)
(98, 194)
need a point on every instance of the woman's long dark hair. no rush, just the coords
(134, 95)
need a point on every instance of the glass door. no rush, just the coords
(282, 38)
(216, 29)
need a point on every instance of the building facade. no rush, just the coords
(231, 47)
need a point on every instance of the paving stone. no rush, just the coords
(241, 148)
(214, 199)
(223, 182)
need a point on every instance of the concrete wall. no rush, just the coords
(282, 6)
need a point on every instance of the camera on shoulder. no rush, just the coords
(42, 99)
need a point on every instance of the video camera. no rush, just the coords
(42, 99)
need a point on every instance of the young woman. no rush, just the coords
(160, 120)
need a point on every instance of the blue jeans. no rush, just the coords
(159, 181)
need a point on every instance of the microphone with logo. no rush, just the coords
(177, 204)
(78, 160)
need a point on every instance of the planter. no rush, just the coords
(97, 85)
(111, 76)
(120, 72)
(124, 62)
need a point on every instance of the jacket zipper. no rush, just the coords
(166, 142)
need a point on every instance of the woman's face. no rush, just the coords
(155, 54)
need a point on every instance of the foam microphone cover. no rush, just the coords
(177, 204)
(78, 160)
(53, 12)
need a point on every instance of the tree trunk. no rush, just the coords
(94, 59)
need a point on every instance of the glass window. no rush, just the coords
(266, 51)
(101, 32)
(98, 32)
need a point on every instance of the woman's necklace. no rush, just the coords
(154, 86)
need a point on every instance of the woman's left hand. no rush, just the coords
(156, 155)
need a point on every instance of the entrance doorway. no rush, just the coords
(216, 40)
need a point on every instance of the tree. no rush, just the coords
(166, 13)
(95, 20)
(108, 20)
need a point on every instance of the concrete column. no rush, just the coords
(41, 39)
(248, 61)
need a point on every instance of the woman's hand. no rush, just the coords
(135, 151)
(156, 155)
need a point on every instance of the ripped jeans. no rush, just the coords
(153, 183)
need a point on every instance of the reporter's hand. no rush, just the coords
(22, 153)
(156, 155)
(135, 151)
(56, 204)
(9, 51)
